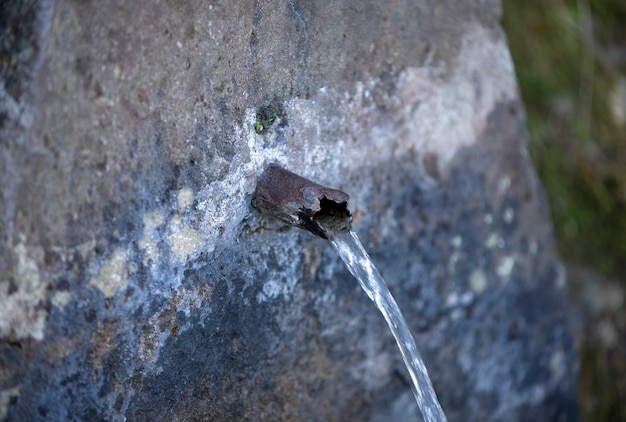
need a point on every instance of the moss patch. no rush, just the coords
(267, 115)
(571, 83)
(265, 118)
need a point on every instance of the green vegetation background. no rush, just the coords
(570, 59)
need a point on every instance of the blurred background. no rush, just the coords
(570, 59)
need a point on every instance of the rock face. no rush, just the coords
(137, 283)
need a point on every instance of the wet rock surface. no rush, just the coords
(136, 280)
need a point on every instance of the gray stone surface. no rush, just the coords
(137, 283)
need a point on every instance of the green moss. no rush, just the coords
(265, 118)
(577, 144)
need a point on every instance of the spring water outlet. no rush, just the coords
(324, 212)
(302, 203)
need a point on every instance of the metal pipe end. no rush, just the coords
(302, 203)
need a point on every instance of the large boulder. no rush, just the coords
(136, 281)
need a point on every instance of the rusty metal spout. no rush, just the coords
(302, 203)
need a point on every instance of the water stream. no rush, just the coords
(361, 267)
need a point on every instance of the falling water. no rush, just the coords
(360, 265)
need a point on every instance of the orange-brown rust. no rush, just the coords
(302, 203)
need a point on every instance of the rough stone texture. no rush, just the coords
(138, 283)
